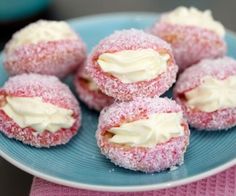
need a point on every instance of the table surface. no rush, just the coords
(223, 11)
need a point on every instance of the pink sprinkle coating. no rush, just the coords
(162, 156)
(190, 44)
(191, 78)
(131, 40)
(51, 90)
(58, 58)
(94, 99)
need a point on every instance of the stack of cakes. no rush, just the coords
(207, 85)
(35, 106)
(140, 131)
(124, 77)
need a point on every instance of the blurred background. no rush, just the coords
(14, 14)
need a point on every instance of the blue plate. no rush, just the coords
(80, 164)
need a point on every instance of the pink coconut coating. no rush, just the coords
(51, 90)
(131, 40)
(59, 58)
(158, 158)
(190, 44)
(191, 78)
(94, 99)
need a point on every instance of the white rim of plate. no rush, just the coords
(136, 188)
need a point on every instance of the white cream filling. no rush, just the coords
(134, 65)
(36, 114)
(195, 17)
(40, 31)
(213, 94)
(158, 128)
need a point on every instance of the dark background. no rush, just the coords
(12, 180)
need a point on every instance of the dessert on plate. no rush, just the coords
(132, 63)
(193, 34)
(44, 47)
(38, 110)
(206, 91)
(145, 134)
